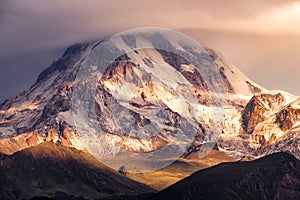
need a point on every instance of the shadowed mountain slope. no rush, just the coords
(58, 172)
(276, 176)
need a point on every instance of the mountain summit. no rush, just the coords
(169, 87)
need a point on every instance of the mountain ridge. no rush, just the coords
(55, 172)
(43, 112)
(58, 172)
(275, 176)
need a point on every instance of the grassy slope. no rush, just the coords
(51, 170)
(180, 169)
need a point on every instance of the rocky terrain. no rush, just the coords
(251, 121)
(155, 101)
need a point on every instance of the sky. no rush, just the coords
(260, 37)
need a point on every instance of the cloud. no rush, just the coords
(33, 25)
(34, 29)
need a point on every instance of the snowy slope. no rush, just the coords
(144, 96)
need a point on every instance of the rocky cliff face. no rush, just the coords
(48, 97)
(259, 109)
(245, 119)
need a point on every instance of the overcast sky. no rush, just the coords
(261, 37)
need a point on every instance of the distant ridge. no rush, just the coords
(276, 176)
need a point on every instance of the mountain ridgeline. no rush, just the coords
(255, 120)
(144, 99)
(273, 177)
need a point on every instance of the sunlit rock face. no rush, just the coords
(259, 109)
(153, 92)
(143, 97)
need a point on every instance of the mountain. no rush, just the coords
(275, 176)
(273, 124)
(53, 171)
(151, 89)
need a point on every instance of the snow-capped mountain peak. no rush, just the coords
(155, 80)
